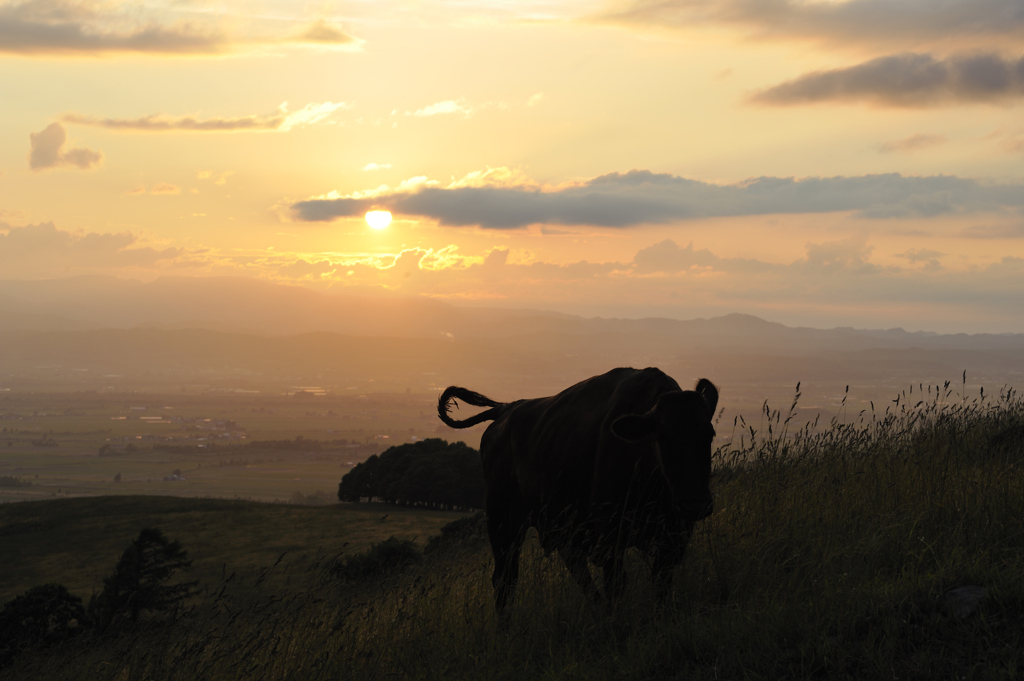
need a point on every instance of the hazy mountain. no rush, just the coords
(260, 307)
(100, 333)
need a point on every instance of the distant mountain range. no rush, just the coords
(85, 332)
(258, 307)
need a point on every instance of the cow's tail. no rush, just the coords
(452, 393)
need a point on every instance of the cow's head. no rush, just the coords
(680, 427)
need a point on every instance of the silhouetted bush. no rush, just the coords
(391, 555)
(43, 616)
(469, 531)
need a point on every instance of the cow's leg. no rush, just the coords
(506, 543)
(614, 576)
(576, 561)
(661, 575)
(666, 558)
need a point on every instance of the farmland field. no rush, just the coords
(205, 445)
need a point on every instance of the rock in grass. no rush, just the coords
(964, 601)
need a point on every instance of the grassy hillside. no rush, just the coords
(829, 556)
(77, 541)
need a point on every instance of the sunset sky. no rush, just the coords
(822, 163)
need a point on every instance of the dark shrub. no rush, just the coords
(468, 531)
(391, 555)
(43, 616)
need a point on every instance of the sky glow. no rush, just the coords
(844, 163)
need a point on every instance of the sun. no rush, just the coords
(378, 219)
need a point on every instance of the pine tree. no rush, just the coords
(138, 582)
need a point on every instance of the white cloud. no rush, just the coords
(309, 114)
(449, 106)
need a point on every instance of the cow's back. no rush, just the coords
(557, 456)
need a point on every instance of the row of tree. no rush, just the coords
(431, 473)
(299, 444)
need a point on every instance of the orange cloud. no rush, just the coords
(165, 188)
(47, 151)
(282, 120)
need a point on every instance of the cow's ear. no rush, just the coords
(709, 392)
(635, 427)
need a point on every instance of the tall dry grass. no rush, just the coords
(827, 557)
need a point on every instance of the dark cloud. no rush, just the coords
(849, 255)
(160, 123)
(54, 27)
(993, 232)
(667, 256)
(47, 150)
(907, 80)
(917, 255)
(324, 210)
(642, 197)
(887, 23)
(43, 27)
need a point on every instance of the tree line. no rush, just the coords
(299, 444)
(431, 473)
